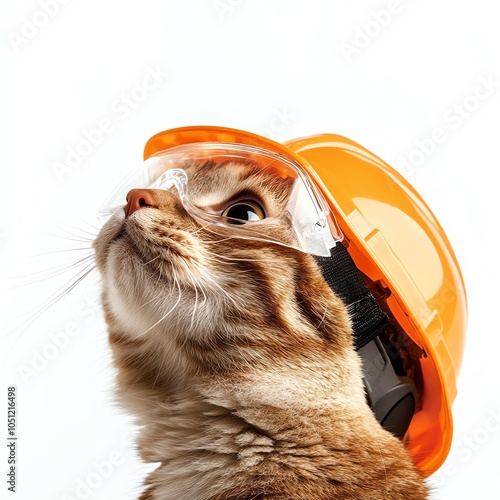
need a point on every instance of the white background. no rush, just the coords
(281, 68)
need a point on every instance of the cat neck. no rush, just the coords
(262, 432)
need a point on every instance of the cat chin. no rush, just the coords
(143, 305)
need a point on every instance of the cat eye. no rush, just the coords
(244, 211)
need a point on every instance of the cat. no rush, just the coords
(236, 357)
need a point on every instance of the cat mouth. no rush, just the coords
(124, 238)
(157, 243)
(135, 239)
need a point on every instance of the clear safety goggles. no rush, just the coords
(304, 220)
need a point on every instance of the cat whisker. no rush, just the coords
(155, 299)
(46, 270)
(235, 271)
(164, 360)
(160, 275)
(49, 273)
(211, 242)
(80, 268)
(52, 300)
(196, 285)
(196, 280)
(322, 319)
(240, 259)
(76, 238)
(202, 228)
(150, 261)
(193, 314)
(209, 229)
(65, 289)
(176, 280)
(64, 227)
(213, 282)
(97, 229)
(79, 249)
(383, 462)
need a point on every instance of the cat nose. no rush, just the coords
(139, 198)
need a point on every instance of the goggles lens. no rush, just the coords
(239, 191)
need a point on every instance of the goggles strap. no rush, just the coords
(367, 317)
(391, 398)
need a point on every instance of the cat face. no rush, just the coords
(167, 273)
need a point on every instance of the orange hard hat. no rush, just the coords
(394, 240)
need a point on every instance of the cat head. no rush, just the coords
(169, 275)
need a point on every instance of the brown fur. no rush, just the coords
(249, 388)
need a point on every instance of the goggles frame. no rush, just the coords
(313, 225)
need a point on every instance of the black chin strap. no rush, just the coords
(391, 398)
(340, 272)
